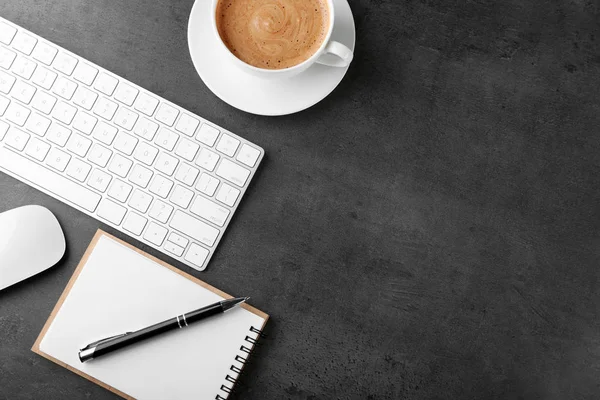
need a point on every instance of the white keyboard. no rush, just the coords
(117, 152)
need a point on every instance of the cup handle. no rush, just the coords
(342, 53)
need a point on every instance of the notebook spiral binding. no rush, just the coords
(241, 360)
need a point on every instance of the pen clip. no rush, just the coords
(98, 342)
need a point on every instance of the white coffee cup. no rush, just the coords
(331, 53)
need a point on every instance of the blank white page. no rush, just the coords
(120, 290)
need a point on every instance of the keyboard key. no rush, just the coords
(99, 180)
(161, 186)
(208, 135)
(79, 145)
(16, 113)
(58, 159)
(105, 133)
(58, 134)
(84, 123)
(145, 129)
(85, 73)
(194, 228)
(207, 159)
(84, 98)
(145, 153)
(24, 42)
(160, 211)
(187, 149)
(99, 155)
(64, 87)
(22, 92)
(135, 223)
(4, 102)
(210, 211)
(166, 114)
(37, 149)
(44, 78)
(126, 94)
(23, 67)
(43, 102)
(228, 145)
(79, 170)
(60, 186)
(207, 184)
(196, 255)
(140, 201)
(187, 174)
(17, 139)
(120, 190)
(44, 53)
(125, 118)
(3, 129)
(146, 104)
(7, 33)
(6, 58)
(166, 164)
(64, 112)
(6, 82)
(166, 139)
(65, 63)
(125, 143)
(173, 248)
(178, 240)
(227, 195)
(106, 84)
(187, 125)
(140, 175)
(105, 108)
(155, 234)
(182, 196)
(120, 165)
(233, 172)
(111, 212)
(37, 124)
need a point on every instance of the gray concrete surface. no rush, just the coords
(429, 231)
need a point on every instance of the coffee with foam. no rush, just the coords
(273, 34)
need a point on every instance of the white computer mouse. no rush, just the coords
(31, 241)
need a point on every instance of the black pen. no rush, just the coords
(110, 344)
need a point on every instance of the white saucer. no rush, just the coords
(257, 95)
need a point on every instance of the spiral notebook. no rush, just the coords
(118, 288)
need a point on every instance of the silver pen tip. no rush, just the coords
(231, 303)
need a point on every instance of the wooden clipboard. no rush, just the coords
(82, 263)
